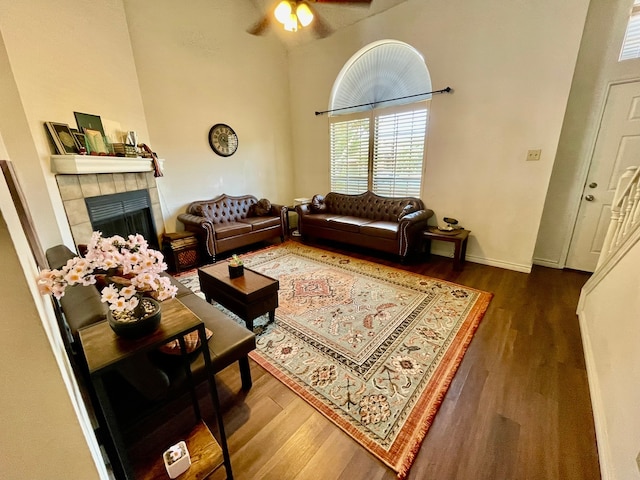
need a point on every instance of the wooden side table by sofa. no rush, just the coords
(180, 251)
(458, 237)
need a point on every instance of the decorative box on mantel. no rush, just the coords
(86, 164)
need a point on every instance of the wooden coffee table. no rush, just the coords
(248, 296)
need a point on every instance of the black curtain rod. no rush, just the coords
(444, 90)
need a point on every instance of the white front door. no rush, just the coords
(617, 147)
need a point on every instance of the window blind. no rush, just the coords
(631, 43)
(381, 150)
(398, 153)
(349, 150)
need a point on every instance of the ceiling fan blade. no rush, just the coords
(260, 27)
(319, 26)
(359, 2)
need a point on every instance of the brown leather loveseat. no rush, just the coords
(225, 223)
(392, 225)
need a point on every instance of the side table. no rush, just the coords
(458, 237)
(180, 250)
(103, 350)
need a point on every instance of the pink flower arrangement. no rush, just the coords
(138, 272)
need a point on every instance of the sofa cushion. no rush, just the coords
(231, 229)
(260, 209)
(381, 229)
(347, 223)
(319, 219)
(318, 205)
(258, 223)
(230, 341)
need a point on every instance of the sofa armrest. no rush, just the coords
(417, 217)
(203, 229)
(282, 212)
(303, 209)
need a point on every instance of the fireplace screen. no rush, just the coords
(123, 214)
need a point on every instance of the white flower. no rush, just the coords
(140, 267)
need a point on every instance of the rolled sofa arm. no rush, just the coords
(282, 212)
(302, 210)
(411, 226)
(419, 216)
(203, 229)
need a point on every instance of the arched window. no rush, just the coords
(378, 143)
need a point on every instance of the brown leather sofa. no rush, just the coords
(387, 224)
(158, 376)
(225, 223)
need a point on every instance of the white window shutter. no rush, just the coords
(399, 152)
(349, 150)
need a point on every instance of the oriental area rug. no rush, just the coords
(373, 348)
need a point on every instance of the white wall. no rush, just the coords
(41, 423)
(510, 64)
(64, 56)
(198, 67)
(596, 69)
(609, 310)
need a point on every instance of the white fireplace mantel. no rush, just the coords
(85, 164)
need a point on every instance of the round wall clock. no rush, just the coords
(223, 140)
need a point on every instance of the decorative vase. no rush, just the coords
(145, 319)
(236, 271)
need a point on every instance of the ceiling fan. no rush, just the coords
(295, 14)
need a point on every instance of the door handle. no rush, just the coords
(589, 198)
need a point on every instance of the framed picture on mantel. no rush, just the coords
(62, 138)
(88, 121)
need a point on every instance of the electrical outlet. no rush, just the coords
(533, 155)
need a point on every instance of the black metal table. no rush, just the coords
(103, 350)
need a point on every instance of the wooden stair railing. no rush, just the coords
(625, 213)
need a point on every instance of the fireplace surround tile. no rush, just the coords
(69, 187)
(106, 184)
(89, 185)
(76, 211)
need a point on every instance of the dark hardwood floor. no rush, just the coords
(518, 408)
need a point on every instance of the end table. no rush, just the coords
(459, 237)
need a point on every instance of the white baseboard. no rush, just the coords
(443, 251)
(544, 262)
(602, 439)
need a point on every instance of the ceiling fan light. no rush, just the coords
(304, 14)
(283, 12)
(291, 25)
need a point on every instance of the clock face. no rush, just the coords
(223, 140)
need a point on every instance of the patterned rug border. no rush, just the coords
(401, 455)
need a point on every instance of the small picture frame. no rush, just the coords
(95, 142)
(62, 138)
(87, 120)
(79, 137)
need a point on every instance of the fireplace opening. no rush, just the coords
(123, 214)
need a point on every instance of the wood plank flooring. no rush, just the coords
(518, 408)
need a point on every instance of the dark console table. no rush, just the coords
(103, 350)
